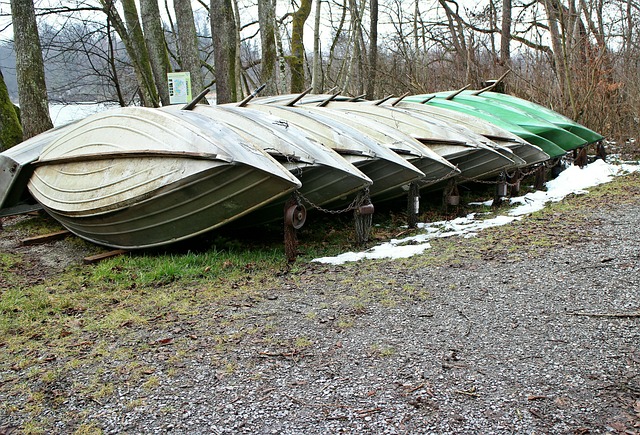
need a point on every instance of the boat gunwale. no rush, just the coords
(129, 154)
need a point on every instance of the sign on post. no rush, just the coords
(179, 87)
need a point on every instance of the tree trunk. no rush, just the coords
(296, 60)
(505, 34)
(10, 128)
(355, 59)
(557, 45)
(157, 46)
(112, 66)
(373, 49)
(267, 21)
(238, 70)
(316, 79)
(148, 87)
(223, 33)
(457, 29)
(32, 89)
(188, 44)
(335, 42)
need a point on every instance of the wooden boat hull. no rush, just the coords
(138, 178)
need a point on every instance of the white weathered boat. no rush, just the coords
(434, 166)
(324, 174)
(386, 169)
(138, 177)
(474, 159)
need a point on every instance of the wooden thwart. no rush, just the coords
(103, 256)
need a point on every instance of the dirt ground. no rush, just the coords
(532, 329)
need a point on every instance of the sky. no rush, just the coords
(573, 180)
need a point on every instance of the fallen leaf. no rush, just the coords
(162, 342)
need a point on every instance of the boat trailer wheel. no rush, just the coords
(295, 216)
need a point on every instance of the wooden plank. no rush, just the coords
(45, 238)
(103, 256)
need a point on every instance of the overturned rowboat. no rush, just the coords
(325, 175)
(539, 111)
(473, 158)
(387, 170)
(536, 125)
(434, 166)
(548, 146)
(137, 177)
(529, 153)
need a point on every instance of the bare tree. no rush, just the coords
(32, 90)
(296, 60)
(373, 48)
(132, 37)
(505, 34)
(223, 32)
(156, 45)
(267, 22)
(188, 44)
(316, 74)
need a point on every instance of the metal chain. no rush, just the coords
(355, 204)
(523, 176)
(444, 177)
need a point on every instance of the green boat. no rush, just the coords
(547, 145)
(564, 139)
(542, 112)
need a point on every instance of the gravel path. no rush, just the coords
(533, 342)
(529, 345)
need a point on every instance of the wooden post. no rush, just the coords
(290, 233)
(413, 205)
(541, 177)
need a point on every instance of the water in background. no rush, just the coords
(62, 114)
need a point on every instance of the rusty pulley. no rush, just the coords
(366, 209)
(295, 216)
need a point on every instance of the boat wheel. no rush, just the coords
(295, 216)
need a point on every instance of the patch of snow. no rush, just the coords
(573, 180)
